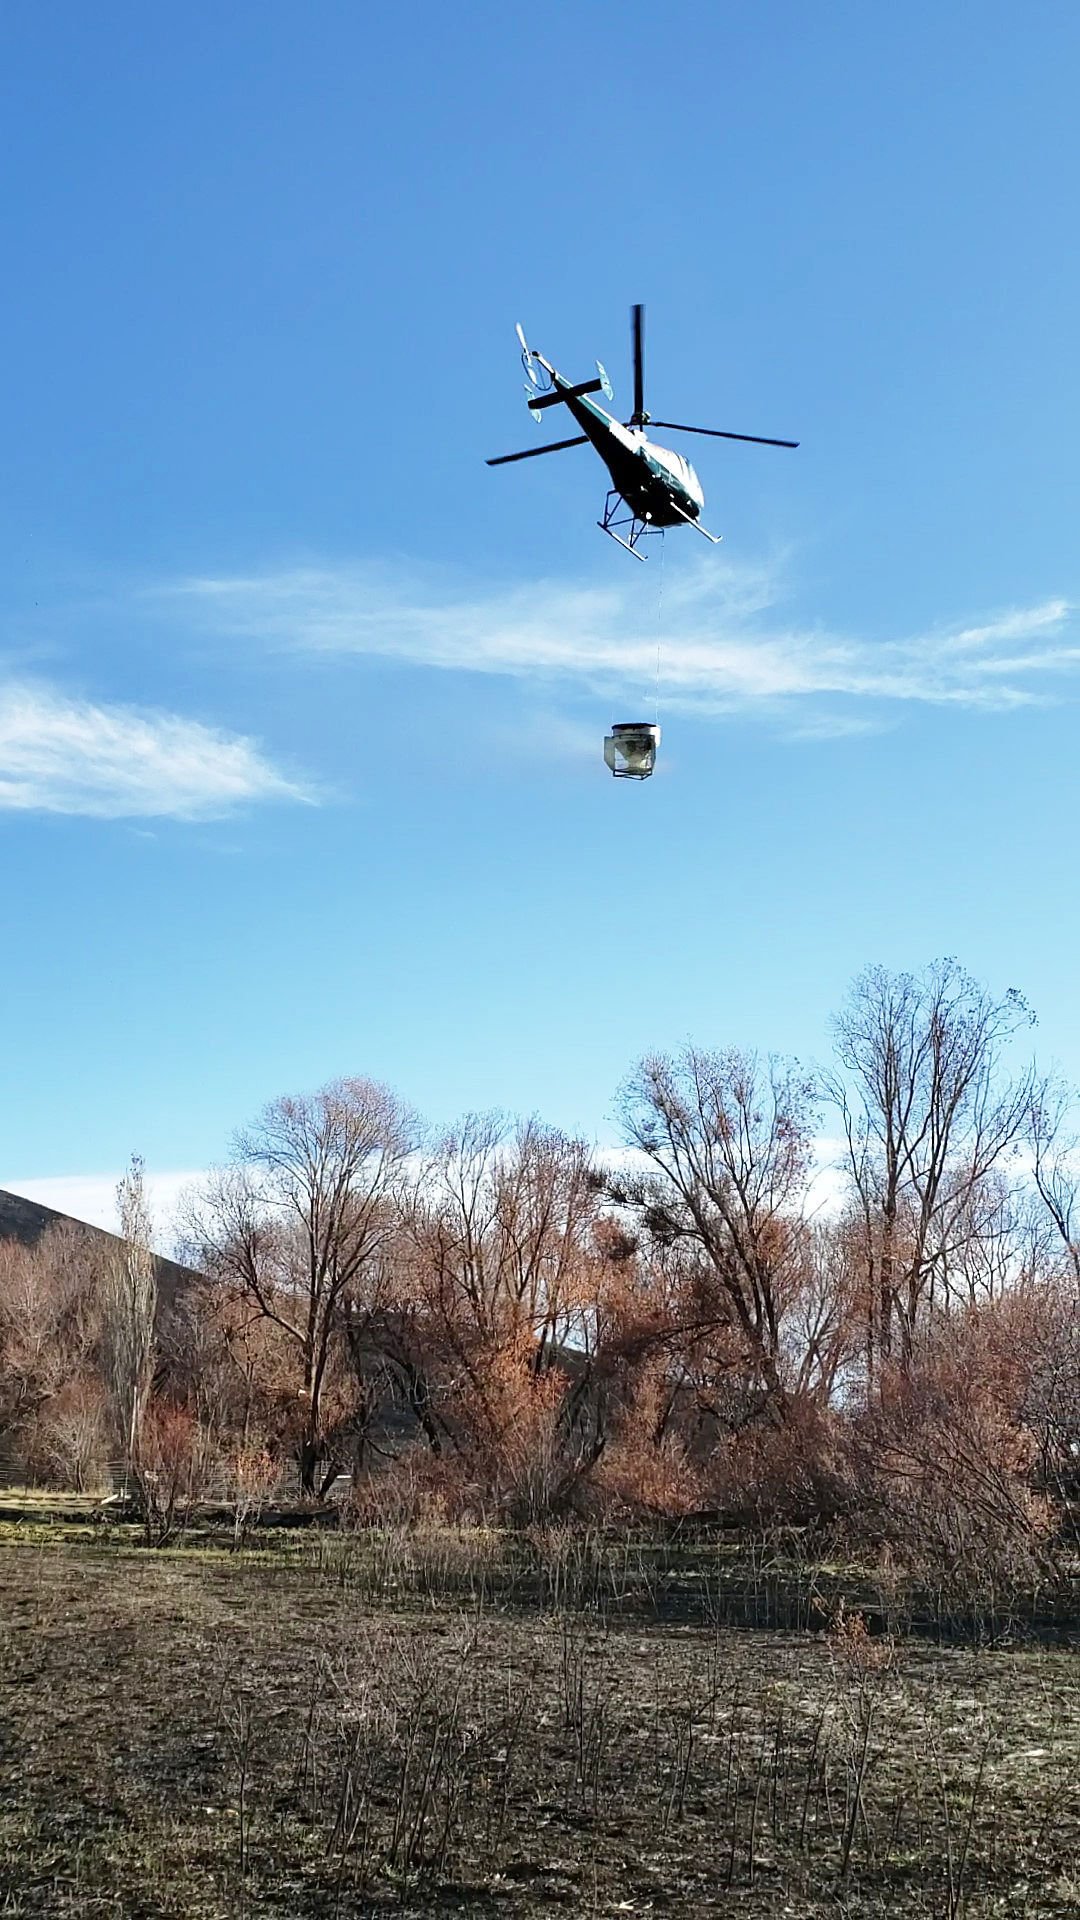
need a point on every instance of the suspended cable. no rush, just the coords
(659, 630)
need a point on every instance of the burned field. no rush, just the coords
(205, 1734)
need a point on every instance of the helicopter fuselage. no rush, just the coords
(660, 487)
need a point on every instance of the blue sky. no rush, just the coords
(302, 707)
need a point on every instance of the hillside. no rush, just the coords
(26, 1220)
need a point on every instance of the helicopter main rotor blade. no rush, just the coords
(637, 332)
(717, 433)
(533, 453)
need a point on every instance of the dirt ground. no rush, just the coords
(202, 1735)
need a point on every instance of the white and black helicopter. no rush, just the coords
(652, 487)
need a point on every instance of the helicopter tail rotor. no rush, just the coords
(527, 360)
(537, 382)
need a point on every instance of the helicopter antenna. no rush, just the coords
(639, 417)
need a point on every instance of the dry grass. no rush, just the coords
(783, 1577)
(207, 1736)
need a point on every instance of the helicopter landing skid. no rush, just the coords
(613, 521)
(715, 538)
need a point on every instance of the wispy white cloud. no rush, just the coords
(60, 755)
(545, 734)
(91, 1197)
(828, 725)
(726, 647)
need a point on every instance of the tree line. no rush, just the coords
(496, 1322)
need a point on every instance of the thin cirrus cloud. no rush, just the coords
(91, 1198)
(726, 649)
(63, 755)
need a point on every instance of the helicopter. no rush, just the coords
(652, 488)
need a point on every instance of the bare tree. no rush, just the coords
(49, 1320)
(1051, 1136)
(928, 1121)
(296, 1226)
(819, 1329)
(252, 1476)
(729, 1142)
(129, 1310)
(502, 1218)
(68, 1436)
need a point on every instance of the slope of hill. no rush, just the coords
(26, 1220)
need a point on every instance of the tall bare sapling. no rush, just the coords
(129, 1307)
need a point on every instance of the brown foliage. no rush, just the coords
(647, 1468)
(501, 1274)
(174, 1470)
(50, 1320)
(949, 1459)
